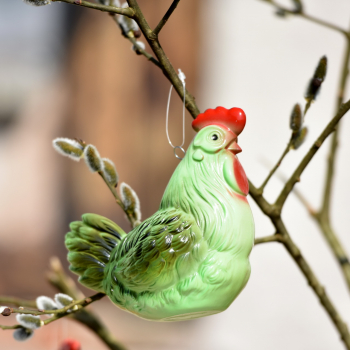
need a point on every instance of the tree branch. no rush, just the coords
(168, 69)
(273, 170)
(58, 278)
(313, 282)
(163, 21)
(59, 313)
(111, 9)
(308, 17)
(334, 144)
(267, 239)
(4, 300)
(306, 160)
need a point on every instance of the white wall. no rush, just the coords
(260, 62)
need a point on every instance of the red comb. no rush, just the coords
(233, 118)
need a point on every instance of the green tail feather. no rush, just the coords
(90, 243)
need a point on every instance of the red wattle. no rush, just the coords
(240, 176)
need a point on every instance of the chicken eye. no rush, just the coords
(214, 137)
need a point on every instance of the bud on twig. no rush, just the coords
(37, 2)
(128, 24)
(110, 172)
(298, 138)
(63, 300)
(131, 202)
(92, 158)
(5, 311)
(296, 118)
(298, 6)
(138, 45)
(29, 321)
(68, 148)
(45, 303)
(280, 12)
(316, 81)
(22, 334)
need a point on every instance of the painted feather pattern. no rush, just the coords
(189, 259)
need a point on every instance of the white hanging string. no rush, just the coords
(182, 78)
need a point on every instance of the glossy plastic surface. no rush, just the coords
(189, 259)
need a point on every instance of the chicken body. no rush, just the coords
(189, 259)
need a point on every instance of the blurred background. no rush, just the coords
(66, 71)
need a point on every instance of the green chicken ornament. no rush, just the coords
(189, 259)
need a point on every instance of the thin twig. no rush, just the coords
(59, 313)
(162, 22)
(295, 253)
(323, 216)
(5, 300)
(308, 17)
(111, 9)
(267, 239)
(334, 142)
(61, 281)
(5, 328)
(142, 51)
(66, 311)
(308, 157)
(118, 199)
(167, 67)
(273, 170)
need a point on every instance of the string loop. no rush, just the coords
(182, 78)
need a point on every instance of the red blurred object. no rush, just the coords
(233, 118)
(70, 344)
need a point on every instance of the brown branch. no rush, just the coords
(59, 313)
(5, 328)
(308, 17)
(308, 157)
(142, 51)
(58, 278)
(267, 239)
(167, 68)
(273, 170)
(313, 281)
(111, 9)
(163, 21)
(323, 216)
(263, 204)
(285, 239)
(334, 144)
(118, 200)
(4, 300)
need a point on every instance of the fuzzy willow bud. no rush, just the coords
(298, 6)
(29, 321)
(68, 148)
(296, 118)
(138, 45)
(92, 158)
(298, 138)
(45, 303)
(131, 202)
(22, 334)
(316, 81)
(37, 2)
(110, 172)
(63, 300)
(128, 24)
